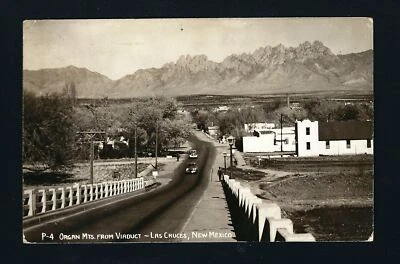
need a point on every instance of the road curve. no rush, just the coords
(155, 216)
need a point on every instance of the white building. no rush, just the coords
(270, 140)
(258, 126)
(334, 138)
(223, 108)
(213, 130)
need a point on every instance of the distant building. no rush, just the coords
(295, 106)
(334, 138)
(249, 128)
(223, 108)
(213, 130)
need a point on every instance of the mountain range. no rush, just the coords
(309, 67)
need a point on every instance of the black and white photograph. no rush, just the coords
(197, 130)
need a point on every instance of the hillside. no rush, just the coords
(88, 84)
(306, 68)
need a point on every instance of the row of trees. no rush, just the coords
(51, 123)
(324, 110)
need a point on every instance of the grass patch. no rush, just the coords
(247, 175)
(49, 178)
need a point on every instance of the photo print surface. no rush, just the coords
(198, 130)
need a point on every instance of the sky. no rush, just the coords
(117, 47)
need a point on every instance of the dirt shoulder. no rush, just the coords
(342, 183)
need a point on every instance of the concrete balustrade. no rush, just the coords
(284, 235)
(255, 219)
(40, 201)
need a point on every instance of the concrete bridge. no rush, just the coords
(188, 208)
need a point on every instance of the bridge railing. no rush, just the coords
(258, 220)
(40, 201)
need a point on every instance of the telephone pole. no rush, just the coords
(136, 165)
(281, 136)
(91, 158)
(281, 133)
(156, 142)
(92, 135)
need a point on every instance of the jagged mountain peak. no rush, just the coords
(307, 67)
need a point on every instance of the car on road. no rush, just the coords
(193, 154)
(191, 168)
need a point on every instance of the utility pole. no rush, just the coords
(133, 113)
(92, 135)
(91, 158)
(281, 135)
(231, 141)
(136, 165)
(224, 161)
(156, 142)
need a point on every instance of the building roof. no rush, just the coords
(342, 130)
(264, 132)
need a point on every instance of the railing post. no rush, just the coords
(112, 191)
(85, 198)
(78, 193)
(101, 190)
(30, 203)
(70, 195)
(62, 189)
(94, 186)
(53, 199)
(106, 189)
(34, 205)
(90, 192)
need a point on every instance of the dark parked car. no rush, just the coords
(191, 168)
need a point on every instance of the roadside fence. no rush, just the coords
(40, 201)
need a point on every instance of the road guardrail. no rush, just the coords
(43, 200)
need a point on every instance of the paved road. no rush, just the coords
(152, 216)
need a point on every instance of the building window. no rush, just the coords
(327, 145)
(307, 131)
(368, 143)
(308, 145)
(348, 145)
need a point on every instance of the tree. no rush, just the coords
(156, 115)
(174, 132)
(321, 110)
(347, 112)
(48, 131)
(69, 92)
(202, 119)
